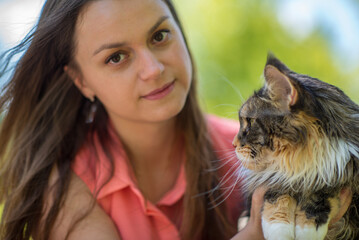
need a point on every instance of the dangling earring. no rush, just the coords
(93, 109)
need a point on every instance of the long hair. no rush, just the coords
(45, 124)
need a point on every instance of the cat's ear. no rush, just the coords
(279, 86)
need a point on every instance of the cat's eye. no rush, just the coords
(250, 121)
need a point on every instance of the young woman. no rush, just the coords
(103, 103)
(102, 136)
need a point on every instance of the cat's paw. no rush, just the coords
(278, 231)
(278, 218)
(310, 232)
(307, 228)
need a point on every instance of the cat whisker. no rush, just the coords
(225, 151)
(226, 193)
(233, 87)
(223, 180)
(209, 192)
(225, 162)
(226, 156)
(231, 114)
(226, 178)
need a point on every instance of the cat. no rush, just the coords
(299, 137)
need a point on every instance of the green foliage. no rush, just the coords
(230, 40)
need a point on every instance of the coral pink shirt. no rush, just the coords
(134, 216)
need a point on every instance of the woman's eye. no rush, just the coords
(161, 36)
(116, 58)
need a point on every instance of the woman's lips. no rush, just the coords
(160, 92)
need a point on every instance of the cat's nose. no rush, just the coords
(235, 141)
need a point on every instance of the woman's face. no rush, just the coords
(133, 58)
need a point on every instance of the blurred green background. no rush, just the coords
(230, 40)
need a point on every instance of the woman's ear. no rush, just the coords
(80, 83)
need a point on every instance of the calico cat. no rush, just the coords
(299, 136)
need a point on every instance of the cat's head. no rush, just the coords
(288, 124)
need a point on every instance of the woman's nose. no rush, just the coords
(150, 67)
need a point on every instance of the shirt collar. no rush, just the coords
(123, 175)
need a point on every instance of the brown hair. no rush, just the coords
(45, 124)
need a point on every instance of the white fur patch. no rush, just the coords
(354, 150)
(311, 233)
(324, 166)
(278, 231)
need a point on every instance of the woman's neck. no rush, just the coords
(154, 152)
(147, 143)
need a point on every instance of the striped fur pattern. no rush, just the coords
(299, 136)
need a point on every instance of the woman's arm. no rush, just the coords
(95, 225)
(253, 229)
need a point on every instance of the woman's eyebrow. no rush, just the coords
(117, 45)
(108, 46)
(159, 22)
